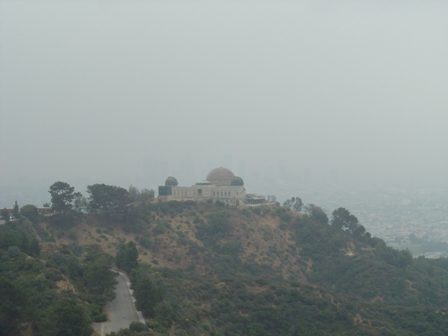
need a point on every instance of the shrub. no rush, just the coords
(283, 225)
(99, 318)
(256, 210)
(73, 234)
(137, 326)
(144, 242)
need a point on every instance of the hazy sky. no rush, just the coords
(127, 92)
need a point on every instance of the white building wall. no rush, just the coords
(209, 192)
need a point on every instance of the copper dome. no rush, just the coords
(220, 176)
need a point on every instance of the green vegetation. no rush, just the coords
(149, 289)
(135, 329)
(107, 199)
(127, 257)
(350, 282)
(30, 212)
(5, 215)
(294, 203)
(46, 289)
(62, 195)
(216, 270)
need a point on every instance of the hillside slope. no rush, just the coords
(45, 289)
(271, 271)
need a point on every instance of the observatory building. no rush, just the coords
(220, 184)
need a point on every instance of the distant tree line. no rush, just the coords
(102, 198)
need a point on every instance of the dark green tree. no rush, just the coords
(149, 290)
(34, 247)
(11, 236)
(145, 296)
(11, 303)
(65, 317)
(134, 193)
(127, 257)
(30, 212)
(294, 203)
(97, 275)
(344, 220)
(317, 213)
(146, 195)
(16, 212)
(107, 198)
(5, 215)
(359, 230)
(78, 199)
(138, 326)
(62, 195)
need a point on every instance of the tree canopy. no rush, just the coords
(136, 195)
(344, 220)
(149, 289)
(127, 257)
(16, 210)
(62, 195)
(317, 213)
(107, 198)
(295, 203)
(5, 215)
(63, 318)
(10, 308)
(30, 212)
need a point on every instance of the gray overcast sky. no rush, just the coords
(121, 92)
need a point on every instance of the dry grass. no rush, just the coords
(262, 242)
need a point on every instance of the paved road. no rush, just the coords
(121, 310)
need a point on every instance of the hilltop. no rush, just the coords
(265, 270)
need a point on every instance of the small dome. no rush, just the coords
(171, 182)
(220, 176)
(237, 181)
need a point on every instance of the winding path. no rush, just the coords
(122, 309)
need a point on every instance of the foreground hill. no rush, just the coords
(45, 289)
(218, 270)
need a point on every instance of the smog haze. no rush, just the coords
(284, 94)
